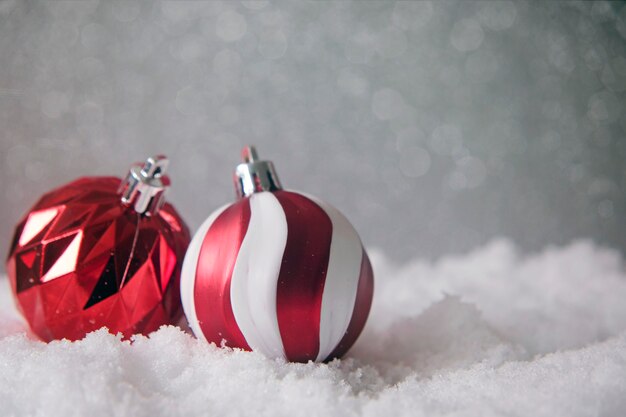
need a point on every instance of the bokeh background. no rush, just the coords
(434, 126)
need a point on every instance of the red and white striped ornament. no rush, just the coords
(277, 272)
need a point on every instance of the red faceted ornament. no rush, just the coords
(100, 252)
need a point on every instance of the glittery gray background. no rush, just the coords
(435, 126)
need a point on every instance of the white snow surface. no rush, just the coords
(491, 332)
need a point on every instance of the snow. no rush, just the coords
(491, 332)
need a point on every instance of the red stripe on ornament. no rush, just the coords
(302, 275)
(216, 261)
(362, 305)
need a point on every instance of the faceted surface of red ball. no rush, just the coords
(81, 260)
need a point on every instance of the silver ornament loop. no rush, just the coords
(145, 185)
(253, 176)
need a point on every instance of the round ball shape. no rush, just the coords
(280, 273)
(81, 260)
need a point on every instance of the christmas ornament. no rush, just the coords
(277, 271)
(100, 252)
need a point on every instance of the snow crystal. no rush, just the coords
(491, 332)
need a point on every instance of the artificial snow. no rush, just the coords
(492, 332)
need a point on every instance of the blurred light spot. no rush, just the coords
(605, 209)
(229, 115)
(601, 187)
(577, 172)
(359, 48)
(602, 136)
(391, 43)
(412, 136)
(481, 66)
(279, 82)
(94, 36)
(387, 103)
(90, 69)
(466, 35)
(227, 142)
(504, 137)
(559, 53)
(189, 48)
(89, 117)
(498, 15)
(620, 23)
(450, 76)
(551, 109)
(274, 18)
(16, 158)
(470, 172)
(550, 86)
(255, 4)
(63, 34)
(54, 104)
(405, 119)
(601, 11)
(189, 101)
(181, 10)
(603, 107)
(126, 11)
(595, 57)
(352, 82)
(551, 140)
(586, 30)
(538, 67)
(445, 139)
(35, 170)
(231, 26)
(272, 44)
(459, 152)
(412, 14)
(134, 85)
(414, 161)
(215, 93)
(7, 6)
(614, 75)
(226, 62)
(71, 9)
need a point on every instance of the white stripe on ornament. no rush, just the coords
(253, 286)
(342, 280)
(188, 273)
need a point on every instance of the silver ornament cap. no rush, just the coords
(145, 185)
(253, 176)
